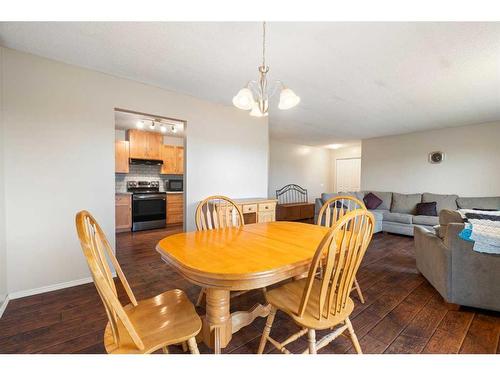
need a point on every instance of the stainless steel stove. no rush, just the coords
(149, 207)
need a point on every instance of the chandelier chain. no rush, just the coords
(264, 43)
(255, 95)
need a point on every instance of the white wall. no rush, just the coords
(306, 166)
(3, 251)
(59, 158)
(400, 163)
(347, 152)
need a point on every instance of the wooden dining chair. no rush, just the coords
(334, 209)
(317, 304)
(141, 326)
(217, 212)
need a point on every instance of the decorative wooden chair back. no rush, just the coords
(341, 250)
(217, 212)
(98, 252)
(335, 208)
(291, 194)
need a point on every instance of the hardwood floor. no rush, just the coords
(402, 313)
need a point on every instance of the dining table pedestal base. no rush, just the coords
(219, 324)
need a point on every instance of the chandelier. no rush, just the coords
(254, 97)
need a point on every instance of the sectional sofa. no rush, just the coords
(460, 274)
(397, 212)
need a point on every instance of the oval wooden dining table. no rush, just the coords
(238, 259)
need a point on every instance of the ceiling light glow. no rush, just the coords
(335, 146)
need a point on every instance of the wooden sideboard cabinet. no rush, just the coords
(303, 212)
(121, 157)
(144, 144)
(123, 212)
(257, 210)
(175, 208)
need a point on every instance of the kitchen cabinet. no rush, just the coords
(173, 159)
(121, 157)
(179, 162)
(175, 208)
(169, 160)
(144, 145)
(123, 212)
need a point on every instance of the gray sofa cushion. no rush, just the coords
(480, 202)
(379, 214)
(448, 216)
(379, 219)
(360, 195)
(386, 197)
(405, 203)
(425, 220)
(326, 196)
(397, 217)
(443, 201)
(356, 194)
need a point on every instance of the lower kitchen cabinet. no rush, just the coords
(175, 208)
(123, 212)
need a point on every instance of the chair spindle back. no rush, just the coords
(217, 212)
(98, 254)
(342, 250)
(335, 208)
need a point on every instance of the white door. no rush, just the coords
(348, 174)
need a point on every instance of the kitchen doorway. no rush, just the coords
(150, 164)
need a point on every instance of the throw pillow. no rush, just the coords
(427, 209)
(372, 201)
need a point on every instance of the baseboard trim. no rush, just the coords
(49, 288)
(4, 305)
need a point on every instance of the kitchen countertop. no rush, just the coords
(174, 192)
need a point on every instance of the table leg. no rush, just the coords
(217, 327)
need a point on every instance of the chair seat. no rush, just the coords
(169, 318)
(287, 298)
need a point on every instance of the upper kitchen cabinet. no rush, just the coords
(144, 145)
(173, 159)
(179, 160)
(121, 157)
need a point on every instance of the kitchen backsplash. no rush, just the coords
(142, 173)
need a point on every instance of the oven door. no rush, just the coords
(149, 211)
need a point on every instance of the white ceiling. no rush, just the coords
(356, 80)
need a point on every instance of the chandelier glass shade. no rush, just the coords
(254, 97)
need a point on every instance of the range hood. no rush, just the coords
(146, 161)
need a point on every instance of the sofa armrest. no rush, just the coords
(475, 276)
(318, 203)
(433, 260)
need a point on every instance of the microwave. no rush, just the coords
(174, 185)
